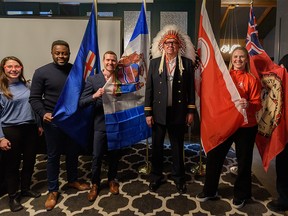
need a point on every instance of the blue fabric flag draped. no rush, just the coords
(124, 99)
(73, 121)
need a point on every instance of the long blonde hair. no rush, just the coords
(4, 81)
(247, 66)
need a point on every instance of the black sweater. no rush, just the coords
(47, 84)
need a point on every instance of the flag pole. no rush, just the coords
(96, 8)
(146, 168)
(199, 168)
(144, 1)
(96, 14)
(148, 164)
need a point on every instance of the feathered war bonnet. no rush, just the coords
(186, 47)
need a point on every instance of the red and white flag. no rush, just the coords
(217, 96)
(272, 127)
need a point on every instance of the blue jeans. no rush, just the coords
(58, 143)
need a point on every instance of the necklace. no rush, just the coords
(171, 65)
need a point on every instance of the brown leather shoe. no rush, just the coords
(79, 186)
(51, 200)
(114, 187)
(93, 193)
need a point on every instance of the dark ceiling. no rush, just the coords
(264, 10)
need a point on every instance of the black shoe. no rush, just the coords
(30, 193)
(276, 206)
(202, 197)
(238, 203)
(154, 185)
(14, 203)
(181, 188)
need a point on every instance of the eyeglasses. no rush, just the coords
(10, 67)
(172, 43)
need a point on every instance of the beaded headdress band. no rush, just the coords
(186, 47)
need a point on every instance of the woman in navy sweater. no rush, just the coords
(18, 132)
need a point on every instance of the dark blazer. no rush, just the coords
(93, 83)
(156, 95)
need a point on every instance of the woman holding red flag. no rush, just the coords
(249, 89)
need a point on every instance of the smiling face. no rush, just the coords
(60, 54)
(239, 59)
(110, 62)
(12, 70)
(171, 47)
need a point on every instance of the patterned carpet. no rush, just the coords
(134, 198)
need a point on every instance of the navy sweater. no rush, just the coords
(47, 84)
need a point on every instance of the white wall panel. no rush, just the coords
(30, 39)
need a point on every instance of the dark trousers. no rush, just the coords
(99, 149)
(282, 176)
(244, 139)
(23, 140)
(2, 170)
(59, 143)
(176, 137)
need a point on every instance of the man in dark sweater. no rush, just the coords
(47, 84)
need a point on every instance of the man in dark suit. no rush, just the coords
(92, 94)
(170, 100)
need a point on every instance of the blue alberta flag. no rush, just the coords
(76, 122)
(124, 99)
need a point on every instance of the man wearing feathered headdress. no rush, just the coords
(170, 100)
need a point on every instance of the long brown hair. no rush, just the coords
(4, 81)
